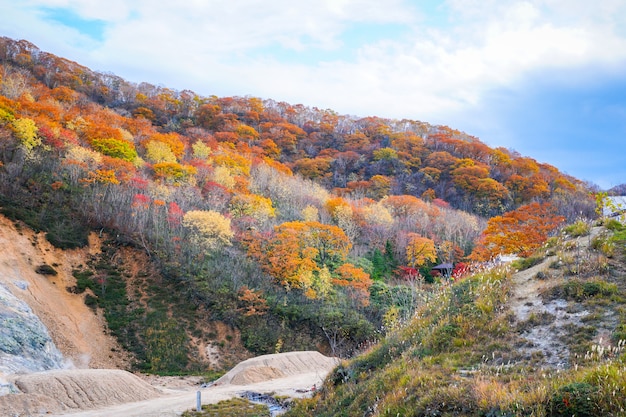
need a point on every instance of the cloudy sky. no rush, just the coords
(546, 78)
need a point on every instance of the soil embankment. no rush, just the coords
(104, 393)
(76, 331)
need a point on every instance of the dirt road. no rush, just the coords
(174, 403)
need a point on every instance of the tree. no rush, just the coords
(298, 249)
(208, 230)
(252, 302)
(201, 150)
(356, 279)
(381, 185)
(252, 205)
(173, 171)
(116, 148)
(25, 130)
(518, 232)
(159, 152)
(420, 250)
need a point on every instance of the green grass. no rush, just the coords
(580, 290)
(525, 263)
(578, 229)
(235, 407)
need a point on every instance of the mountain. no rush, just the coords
(246, 225)
(618, 190)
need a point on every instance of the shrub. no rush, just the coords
(614, 225)
(576, 399)
(46, 269)
(577, 229)
(579, 290)
(525, 263)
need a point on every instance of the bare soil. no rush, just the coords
(77, 332)
(547, 319)
(101, 393)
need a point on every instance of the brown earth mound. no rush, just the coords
(79, 389)
(256, 374)
(280, 365)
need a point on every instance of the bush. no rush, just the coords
(614, 225)
(581, 290)
(525, 263)
(577, 399)
(46, 269)
(580, 228)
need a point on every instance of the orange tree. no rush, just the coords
(518, 232)
(295, 250)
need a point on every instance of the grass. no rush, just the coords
(578, 229)
(525, 263)
(579, 290)
(235, 407)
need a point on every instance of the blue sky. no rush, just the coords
(546, 78)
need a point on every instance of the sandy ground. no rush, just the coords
(102, 393)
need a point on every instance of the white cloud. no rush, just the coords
(302, 51)
(428, 72)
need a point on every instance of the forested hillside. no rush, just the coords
(297, 226)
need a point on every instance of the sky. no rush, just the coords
(546, 78)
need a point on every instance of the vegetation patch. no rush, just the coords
(525, 263)
(235, 407)
(45, 269)
(580, 290)
(578, 229)
(577, 399)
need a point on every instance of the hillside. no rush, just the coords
(74, 329)
(541, 337)
(246, 225)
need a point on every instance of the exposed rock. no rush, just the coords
(25, 345)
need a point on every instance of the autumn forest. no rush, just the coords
(299, 227)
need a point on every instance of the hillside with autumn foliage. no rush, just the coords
(297, 226)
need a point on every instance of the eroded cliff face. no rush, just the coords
(43, 325)
(25, 344)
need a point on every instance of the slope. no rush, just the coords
(77, 332)
(547, 340)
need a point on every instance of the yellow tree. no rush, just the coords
(420, 250)
(208, 230)
(159, 152)
(173, 172)
(201, 150)
(252, 205)
(25, 130)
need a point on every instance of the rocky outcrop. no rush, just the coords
(25, 344)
